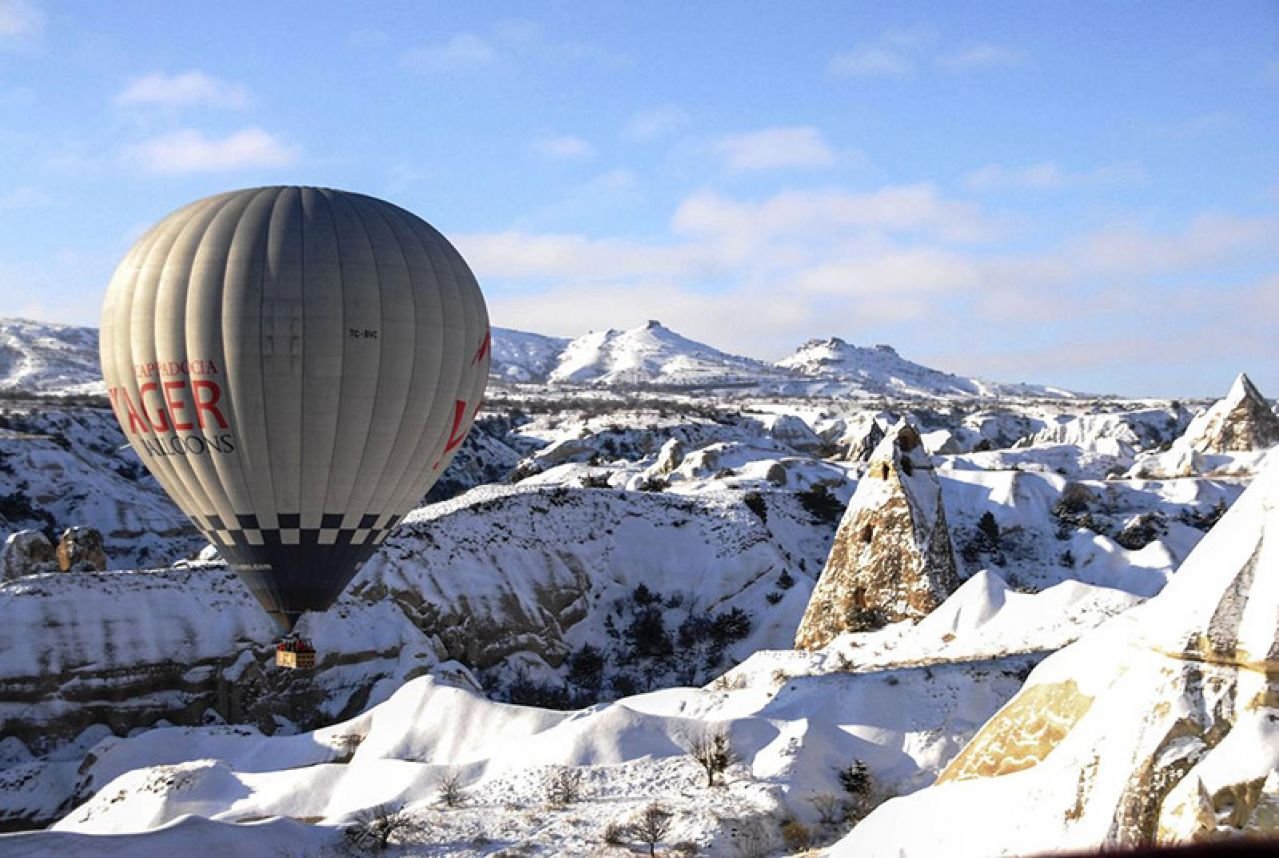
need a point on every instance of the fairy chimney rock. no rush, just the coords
(81, 550)
(892, 558)
(1241, 422)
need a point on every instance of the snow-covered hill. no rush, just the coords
(521, 357)
(48, 358)
(848, 370)
(653, 355)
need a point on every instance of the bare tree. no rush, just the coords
(374, 828)
(563, 786)
(829, 807)
(653, 823)
(452, 793)
(713, 752)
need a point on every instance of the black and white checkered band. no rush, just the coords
(334, 529)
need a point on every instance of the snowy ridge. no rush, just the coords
(879, 371)
(522, 357)
(45, 357)
(652, 355)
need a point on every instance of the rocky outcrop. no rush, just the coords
(1160, 727)
(1241, 422)
(81, 550)
(26, 553)
(670, 457)
(892, 558)
(794, 433)
(863, 445)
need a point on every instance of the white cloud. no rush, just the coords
(510, 41)
(758, 276)
(189, 88)
(1048, 175)
(655, 122)
(23, 197)
(191, 151)
(915, 208)
(871, 61)
(982, 56)
(563, 148)
(898, 53)
(20, 23)
(462, 52)
(776, 148)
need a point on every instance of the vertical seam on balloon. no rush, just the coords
(411, 476)
(301, 214)
(193, 467)
(380, 213)
(450, 292)
(257, 253)
(341, 352)
(194, 497)
(377, 395)
(230, 472)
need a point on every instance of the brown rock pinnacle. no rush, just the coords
(892, 558)
(1241, 422)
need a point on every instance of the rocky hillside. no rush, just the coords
(48, 358)
(837, 368)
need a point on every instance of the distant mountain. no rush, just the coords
(852, 370)
(523, 357)
(45, 357)
(49, 358)
(653, 355)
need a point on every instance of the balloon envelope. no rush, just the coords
(296, 366)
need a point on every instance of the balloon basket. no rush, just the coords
(295, 654)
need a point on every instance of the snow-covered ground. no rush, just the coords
(615, 543)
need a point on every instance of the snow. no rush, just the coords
(498, 582)
(48, 358)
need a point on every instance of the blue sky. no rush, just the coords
(1083, 194)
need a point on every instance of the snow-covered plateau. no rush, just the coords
(595, 635)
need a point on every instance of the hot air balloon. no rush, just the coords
(296, 366)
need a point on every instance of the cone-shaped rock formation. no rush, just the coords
(1241, 422)
(892, 558)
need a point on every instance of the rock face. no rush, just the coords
(26, 553)
(81, 550)
(892, 558)
(861, 448)
(1160, 727)
(670, 457)
(1241, 422)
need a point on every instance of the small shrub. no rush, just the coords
(823, 506)
(773, 598)
(795, 835)
(562, 786)
(595, 480)
(855, 778)
(829, 807)
(653, 823)
(652, 484)
(713, 751)
(375, 828)
(785, 581)
(450, 789)
(615, 833)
